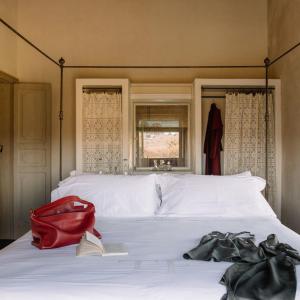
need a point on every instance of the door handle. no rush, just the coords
(1, 148)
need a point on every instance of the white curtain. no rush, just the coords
(102, 132)
(245, 138)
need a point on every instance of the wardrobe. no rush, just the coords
(246, 137)
(25, 153)
(102, 142)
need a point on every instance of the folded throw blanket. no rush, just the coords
(261, 272)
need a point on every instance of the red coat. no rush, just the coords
(212, 144)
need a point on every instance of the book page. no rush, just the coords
(114, 249)
(93, 239)
(91, 245)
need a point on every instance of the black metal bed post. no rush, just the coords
(267, 65)
(61, 114)
(164, 67)
(27, 41)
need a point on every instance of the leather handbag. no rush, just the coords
(62, 222)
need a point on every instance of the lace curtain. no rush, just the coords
(245, 138)
(101, 132)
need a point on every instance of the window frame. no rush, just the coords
(163, 102)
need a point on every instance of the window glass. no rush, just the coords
(161, 135)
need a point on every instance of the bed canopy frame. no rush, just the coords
(61, 64)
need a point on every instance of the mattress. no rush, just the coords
(154, 268)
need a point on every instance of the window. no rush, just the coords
(161, 135)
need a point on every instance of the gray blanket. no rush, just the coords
(262, 272)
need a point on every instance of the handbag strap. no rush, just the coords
(62, 201)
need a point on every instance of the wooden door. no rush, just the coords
(6, 140)
(32, 160)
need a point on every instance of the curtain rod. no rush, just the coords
(27, 41)
(213, 97)
(237, 88)
(102, 88)
(223, 97)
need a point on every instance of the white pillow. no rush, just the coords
(167, 178)
(200, 195)
(113, 195)
(260, 182)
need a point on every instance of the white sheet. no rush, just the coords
(154, 268)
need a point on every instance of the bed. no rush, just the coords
(154, 268)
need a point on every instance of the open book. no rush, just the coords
(91, 245)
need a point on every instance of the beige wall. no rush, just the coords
(157, 32)
(136, 32)
(284, 24)
(8, 41)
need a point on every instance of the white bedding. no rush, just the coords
(154, 268)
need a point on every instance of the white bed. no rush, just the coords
(156, 226)
(154, 268)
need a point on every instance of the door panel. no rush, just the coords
(32, 182)
(32, 187)
(32, 115)
(6, 140)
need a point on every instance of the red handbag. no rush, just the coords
(62, 222)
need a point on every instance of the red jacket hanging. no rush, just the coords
(212, 144)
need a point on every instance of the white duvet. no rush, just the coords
(154, 268)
